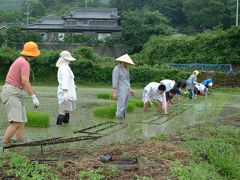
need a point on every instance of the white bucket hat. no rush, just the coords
(125, 58)
(210, 84)
(67, 56)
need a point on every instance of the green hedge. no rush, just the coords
(217, 47)
(99, 70)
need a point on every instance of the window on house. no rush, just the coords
(71, 22)
(83, 22)
(103, 36)
(102, 23)
(61, 36)
(44, 36)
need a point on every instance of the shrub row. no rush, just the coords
(210, 47)
(90, 68)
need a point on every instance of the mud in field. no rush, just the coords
(230, 113)
(151, 156)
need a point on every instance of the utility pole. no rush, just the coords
(86, 3)
(237, 13)
(27, 3)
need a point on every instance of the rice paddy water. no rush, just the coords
(136, 125)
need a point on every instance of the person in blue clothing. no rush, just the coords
(191, 82)
(208, 82)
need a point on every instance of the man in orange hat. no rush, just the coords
(121, 88)
(17, 81)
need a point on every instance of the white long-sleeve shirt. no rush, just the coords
(168, 83)
(66, 81)
(151, 93)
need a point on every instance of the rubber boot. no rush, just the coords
(60, 119)
(66, 118)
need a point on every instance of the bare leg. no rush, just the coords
(19, 133)
(63, 112)
(12, 128)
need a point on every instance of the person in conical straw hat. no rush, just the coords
(121, 88)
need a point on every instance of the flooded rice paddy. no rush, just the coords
(136, 125)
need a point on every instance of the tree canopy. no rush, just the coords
(138, 27)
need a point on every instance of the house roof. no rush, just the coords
(54, 20)
(57, 23)
(93, 13)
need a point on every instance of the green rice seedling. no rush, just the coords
(137, 102)
(131, 107)
(104, 95)
(38, 119)
(105, 111)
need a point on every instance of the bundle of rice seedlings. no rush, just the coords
(105, 111)
(137, 102)
(131, 107)
(104, 95)
(38, 119)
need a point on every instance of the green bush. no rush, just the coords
(38, 119)
(202, 48)
(104, 95)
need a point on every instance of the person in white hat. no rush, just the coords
(66, 89)
(121, 88)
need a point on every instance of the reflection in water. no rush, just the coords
(151, 130)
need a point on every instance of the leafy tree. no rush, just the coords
(206, 14)
(37, 9)
(1, 39)
(138, 26)
(10, 16)
(14, 34)
(170, 8)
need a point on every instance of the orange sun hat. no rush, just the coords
(30, 49)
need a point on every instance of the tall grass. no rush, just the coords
(215, 147)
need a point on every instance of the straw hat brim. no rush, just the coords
(125, 58)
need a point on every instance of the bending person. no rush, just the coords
(155, 92)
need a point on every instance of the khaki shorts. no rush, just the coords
(67, 106)
(13, 99)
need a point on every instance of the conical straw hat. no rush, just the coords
(125, 58)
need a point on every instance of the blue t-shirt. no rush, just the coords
(207, 81)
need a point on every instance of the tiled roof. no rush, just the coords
(58, 23)
(56, 20)
(94, 13)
